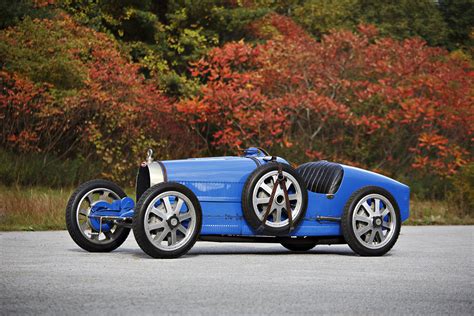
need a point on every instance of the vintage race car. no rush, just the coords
(252, 198)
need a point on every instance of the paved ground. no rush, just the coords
(429, 271)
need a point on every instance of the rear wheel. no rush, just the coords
(167, 220)
(371, 221)
(79, 225)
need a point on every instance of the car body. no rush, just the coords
(220, 185)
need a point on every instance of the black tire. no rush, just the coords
(139, 221)
(347, 227)
(247, 203)
(299, 246)
(120, 235)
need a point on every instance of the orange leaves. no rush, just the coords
(435, 153)
(43, 3)
(351, 97)
(432, 140)
(114, 114)
(21, 102)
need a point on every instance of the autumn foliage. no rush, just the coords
(104, 109)
(399, 107)
(393, 106)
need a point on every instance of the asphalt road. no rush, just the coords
(429, 271)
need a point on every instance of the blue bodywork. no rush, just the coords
(218, 183)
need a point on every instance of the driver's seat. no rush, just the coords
(321, 176)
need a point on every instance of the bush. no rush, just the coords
(461, 194)
(100, 107)
(397, 107)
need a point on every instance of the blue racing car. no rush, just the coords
(253, 198)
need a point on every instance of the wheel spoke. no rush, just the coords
(292, 197)
(267, 188)
(386, 225)
(363, 230)
(84, 226)
(178, 205)
(154, 226)
(377, 206)
(89, 199)
(83, 212)
(184, 216)
(104, 196)
(173, 237)
(277, 217)
(182, 229)
(161, 236)
(263, 200)
(385, 212)
(158, 212)
(372, 236)
(361, 218)
(166, 202)
(381, 235)
(367, 207)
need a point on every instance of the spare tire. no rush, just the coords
(256, 197)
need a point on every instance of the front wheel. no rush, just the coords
(371, 221)
(167, 221)
(79, 224)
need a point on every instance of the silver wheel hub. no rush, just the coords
(170, 220)
(278, 216)
(374, 221)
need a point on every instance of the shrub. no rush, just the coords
(461, 194)
(398, 107)
(100, 107)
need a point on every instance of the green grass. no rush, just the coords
(39, 208)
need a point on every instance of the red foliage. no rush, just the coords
(20, 105)
(385, 104)
(115, 115)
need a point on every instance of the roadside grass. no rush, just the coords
(40, 208)
(36, 208)
(431, 212)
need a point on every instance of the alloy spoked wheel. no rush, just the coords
(167, 220)
(170, 220)
(84, 221)
(261, 184)
(278, 216)
(371, 221)
(374, 221)
(87, 230)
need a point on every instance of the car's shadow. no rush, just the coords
(240, 250)
(272, 252)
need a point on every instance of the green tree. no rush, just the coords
(12, 12)
(396, 18)
(406, 18)
(459, 15)
(319, 17)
